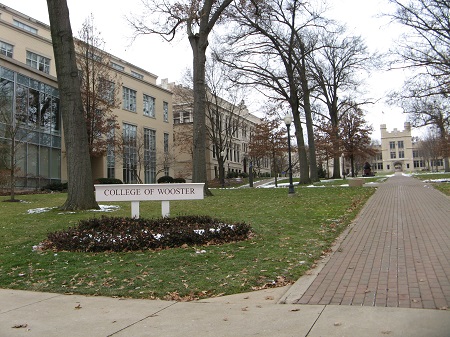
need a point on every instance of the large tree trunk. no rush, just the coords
(336, 140)
(313, 174)
(80, 185)
(199, 44)
(302, 157)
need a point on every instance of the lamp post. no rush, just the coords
(288, 121)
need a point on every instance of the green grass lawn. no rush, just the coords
(434, 178)
(290, 236)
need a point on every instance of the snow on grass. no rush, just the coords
(103, 208)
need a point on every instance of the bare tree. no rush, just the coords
(324, 143)
(225, 113)
(431, 147)
(80, 185)
(13, 136)
(268, 49)
(100, 88)
(269, 141)
(355, 137)
(199, 19)
(425, 46)
(334, 68)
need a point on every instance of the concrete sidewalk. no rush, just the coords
(34, 314)
(388, 274)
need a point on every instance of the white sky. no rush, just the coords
(170, 60)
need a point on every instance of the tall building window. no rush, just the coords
(6, 49)
(36, 110)
(401, 154)
(117, 66)
(415, 153)
(400, 144)
(165, 111)
(149, 156)
(25, 27)
(418, 163)
(393, 155)
(129, 153)
(39, 62)
(107, 90)
(166, 143)
(129, 99)
(437, 162)
(149, 106)
(166, 152)
(137, 75)
(392, 145)
(110, 153)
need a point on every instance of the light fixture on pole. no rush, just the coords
(288, 122)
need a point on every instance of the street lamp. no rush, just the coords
(288, 122)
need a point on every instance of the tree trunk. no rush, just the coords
(313, 174)
(336, 141)
(199, 43)
(302, 157)
(80, 185)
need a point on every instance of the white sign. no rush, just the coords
(148, 192)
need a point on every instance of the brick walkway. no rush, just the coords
(397, 254)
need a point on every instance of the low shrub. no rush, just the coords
(108, 181)
(232, 174)
(165, 180)
(179, 180)
(130, 234)
(56, 186)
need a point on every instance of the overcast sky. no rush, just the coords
(170, 60)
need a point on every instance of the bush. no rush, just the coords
(243, 175)
(321, 172)
(179, 180)
(108, 181)
(165, 180)
(130, 234)
(57, 186)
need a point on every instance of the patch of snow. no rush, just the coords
(39, 210)
(103, 208)
(106, 208)
(443, 180)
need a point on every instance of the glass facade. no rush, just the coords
(150, 156)
(129, 153)
(149, 106)
(30, 127)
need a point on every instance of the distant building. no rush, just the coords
(399, 151)
(29, 89)
(236, 121)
